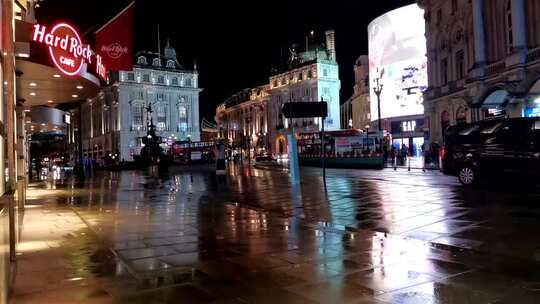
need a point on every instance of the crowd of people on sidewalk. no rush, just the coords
(399, 156)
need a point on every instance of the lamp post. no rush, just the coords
(367, 136)
(377, 89)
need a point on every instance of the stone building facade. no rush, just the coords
(356, 111)
(483, 61)
(117, 119)
(312, 76)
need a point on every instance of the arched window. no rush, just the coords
(170, 64)
(156, 62)
(461, 115)
(509, 27)
(445, 122)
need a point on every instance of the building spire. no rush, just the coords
(158, 43)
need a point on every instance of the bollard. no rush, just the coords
(408, 163)
(395, 163)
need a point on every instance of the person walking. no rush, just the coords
(220, 159)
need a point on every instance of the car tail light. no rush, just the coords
(442, 153)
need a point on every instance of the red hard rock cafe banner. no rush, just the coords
(114, 40)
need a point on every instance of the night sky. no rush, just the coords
(235, 43)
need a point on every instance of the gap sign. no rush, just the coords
(67, 50)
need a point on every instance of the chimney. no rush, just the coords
(331, 44)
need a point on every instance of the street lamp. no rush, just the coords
(367, 136)
(377, 89)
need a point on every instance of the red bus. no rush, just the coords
(192, 151)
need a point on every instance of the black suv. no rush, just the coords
(490, 148)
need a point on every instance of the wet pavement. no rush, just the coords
(252, 237)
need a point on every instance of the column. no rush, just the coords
(479, 34)
(519, 28)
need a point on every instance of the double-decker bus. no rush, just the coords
(349, 148)
(192, 151)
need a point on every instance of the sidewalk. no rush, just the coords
(132, 238)
(58, 257)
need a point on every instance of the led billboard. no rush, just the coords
(397, 56)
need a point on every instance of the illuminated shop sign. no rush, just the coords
(532, 112)
(67, 50)
(408, 126)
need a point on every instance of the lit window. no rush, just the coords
(137, 116)
(162, 117)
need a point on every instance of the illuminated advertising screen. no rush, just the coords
(397, 56)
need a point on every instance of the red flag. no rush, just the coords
(114, 40)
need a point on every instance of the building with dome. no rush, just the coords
(119, 116)
(355, 111)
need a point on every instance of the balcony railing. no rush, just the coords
(495, 68)
(533, 55)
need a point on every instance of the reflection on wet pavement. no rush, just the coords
(187, 237)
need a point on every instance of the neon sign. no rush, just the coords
(66, 49)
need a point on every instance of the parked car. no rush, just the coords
(492, 148)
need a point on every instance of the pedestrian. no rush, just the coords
(220, 159)
(393, 154)
(404, 152)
